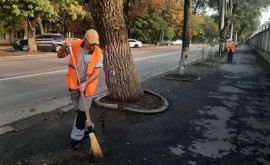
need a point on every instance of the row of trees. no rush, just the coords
(157, 19)
(147, 20)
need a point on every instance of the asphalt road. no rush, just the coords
(33, 84)
(222, 119)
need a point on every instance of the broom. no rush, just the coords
(95, 148)
(224, 59)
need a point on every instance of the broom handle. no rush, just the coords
(83, 98)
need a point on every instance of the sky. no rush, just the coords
(265, 16)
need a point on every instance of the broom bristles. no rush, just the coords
(223, 60)
(95, 148)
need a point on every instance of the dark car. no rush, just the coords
(164, 42)
(46, 41)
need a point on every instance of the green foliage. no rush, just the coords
(201, 38)
(208, 27)
(148, 29)
(246, 18)
(245, 13)
(28, 8)
(70, 8)
(13, 11)
(205, 30)
(170, 33)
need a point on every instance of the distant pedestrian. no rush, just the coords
(89, 60)
(231, 50)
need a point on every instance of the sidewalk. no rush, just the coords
(221, 119)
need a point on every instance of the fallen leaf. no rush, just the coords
(42, 118)
(32, 110)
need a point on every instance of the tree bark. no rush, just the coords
(227, 22)
(121, 78)
(39, 21)
(186, 37)
(32, 35)
(25, 24)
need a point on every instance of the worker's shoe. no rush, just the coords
(77, 144)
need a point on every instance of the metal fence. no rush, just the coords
(206, 51)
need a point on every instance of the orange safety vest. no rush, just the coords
(231, 46)
(71, 77)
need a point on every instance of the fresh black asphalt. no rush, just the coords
(221, 119)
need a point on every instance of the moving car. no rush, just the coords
(164, 42)
(46, 41)
(134, 43)
(177, 42)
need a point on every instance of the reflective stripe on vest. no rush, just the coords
(71, 77)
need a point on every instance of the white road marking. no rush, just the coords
(161, 55)
(31, 75)
(57, 71)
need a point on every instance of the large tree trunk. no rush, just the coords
(186, 37)
(25, 24)
(32, 35)
(119, 67)
(39, 21)
(228, 21)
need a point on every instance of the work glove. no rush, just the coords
(91, 129)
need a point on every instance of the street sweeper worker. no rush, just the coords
(88, 57)
(231, 50)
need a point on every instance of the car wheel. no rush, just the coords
(25, 48)
(168, 44)
(157, 44)
(57, 48)
(136, 46)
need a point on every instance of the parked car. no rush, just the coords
(164, 42)
(46, 41)
(134, 43)
(177, 42)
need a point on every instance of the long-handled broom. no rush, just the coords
(95, 148)
(224, 59)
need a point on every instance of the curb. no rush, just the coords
(6, 129)
(186, 80)
(115, 106)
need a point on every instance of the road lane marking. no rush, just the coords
(161, 55)
(57, 71)
(31, 75)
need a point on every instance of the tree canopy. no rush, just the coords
(147, 20)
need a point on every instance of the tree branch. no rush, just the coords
(29, 23)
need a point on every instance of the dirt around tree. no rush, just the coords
(185, 77)
(149, 101)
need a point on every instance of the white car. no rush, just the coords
(134, 43)
(177, 42)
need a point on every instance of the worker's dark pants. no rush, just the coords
(230, 56)
(79, 126)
